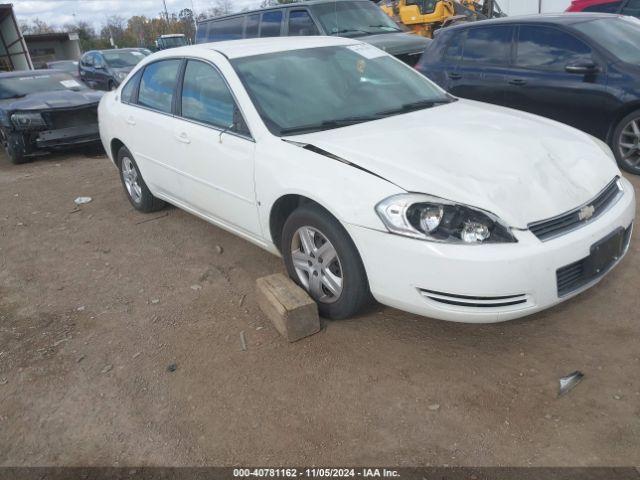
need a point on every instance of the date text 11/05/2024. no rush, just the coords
(315, 473)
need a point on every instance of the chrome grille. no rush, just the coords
(554, 227)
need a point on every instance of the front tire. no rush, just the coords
(625, 143)
(321, 257)
(137, 191)
(14, 147)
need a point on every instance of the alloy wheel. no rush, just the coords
(131, 182)
(317, 264)
(629, 143)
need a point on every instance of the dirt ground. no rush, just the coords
(97, 302)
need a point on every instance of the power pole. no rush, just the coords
(166, 12)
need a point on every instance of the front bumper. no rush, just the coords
(68, 137)
(481, 283)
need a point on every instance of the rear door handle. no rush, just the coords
(454, 76)
(183, 137)
(518, 82)
(131, 121)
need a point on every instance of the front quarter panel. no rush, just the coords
(347, 192)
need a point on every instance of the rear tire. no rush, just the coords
(134, 186)
(625, 143)
(338, 282)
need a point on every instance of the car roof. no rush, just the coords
(257, 46)
(545, 18)
(125, 49)
(276, 7)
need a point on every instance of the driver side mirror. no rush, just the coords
(582, 67)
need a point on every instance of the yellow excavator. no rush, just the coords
(424, 17)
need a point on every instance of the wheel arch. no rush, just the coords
(115, 146)
(619, 115)
(283, 207)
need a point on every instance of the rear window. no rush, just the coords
(488, 45)
(158, 84)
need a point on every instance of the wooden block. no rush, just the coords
(292, 311)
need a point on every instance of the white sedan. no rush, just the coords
(368, 179)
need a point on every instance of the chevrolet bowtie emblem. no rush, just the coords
(586, 213)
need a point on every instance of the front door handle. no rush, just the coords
(454, 76)
(518, 82)
(183, 137)
(131, 121)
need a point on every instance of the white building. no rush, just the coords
(525, 7)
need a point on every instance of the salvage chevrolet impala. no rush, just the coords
(314, 148)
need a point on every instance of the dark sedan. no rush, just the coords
(580, 69)
(45, 110)
(106, 69)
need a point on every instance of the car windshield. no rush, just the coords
(171, 42)
(353, 19)
(619, 35)
(64, 66)
(315, 89)
(16, 87)
(123, 58)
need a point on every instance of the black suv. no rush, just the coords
(582, 69)
(360, 19)
(106, 69)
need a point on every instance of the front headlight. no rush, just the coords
(27, 120)
(121, 76)
(434, 219)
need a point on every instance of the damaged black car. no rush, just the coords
(45, 110)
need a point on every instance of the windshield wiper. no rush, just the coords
(17, 95)
(351, 30)
(329, 124)
(395, 29)
(413, 106)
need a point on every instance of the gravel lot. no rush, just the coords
(97, 302)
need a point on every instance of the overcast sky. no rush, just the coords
(60, 12)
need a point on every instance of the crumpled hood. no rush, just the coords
(49, 100)
(397, 43)
(521, 167)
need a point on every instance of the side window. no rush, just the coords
(632, 8)
(548, 48)
(207, 99)
(604, 8)
(129, 89)
(227, 29)
(301, 23)
(488, 45)
(202, 33)
(252, 26)
(453, 51)
(157, 85)
(271, 24)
